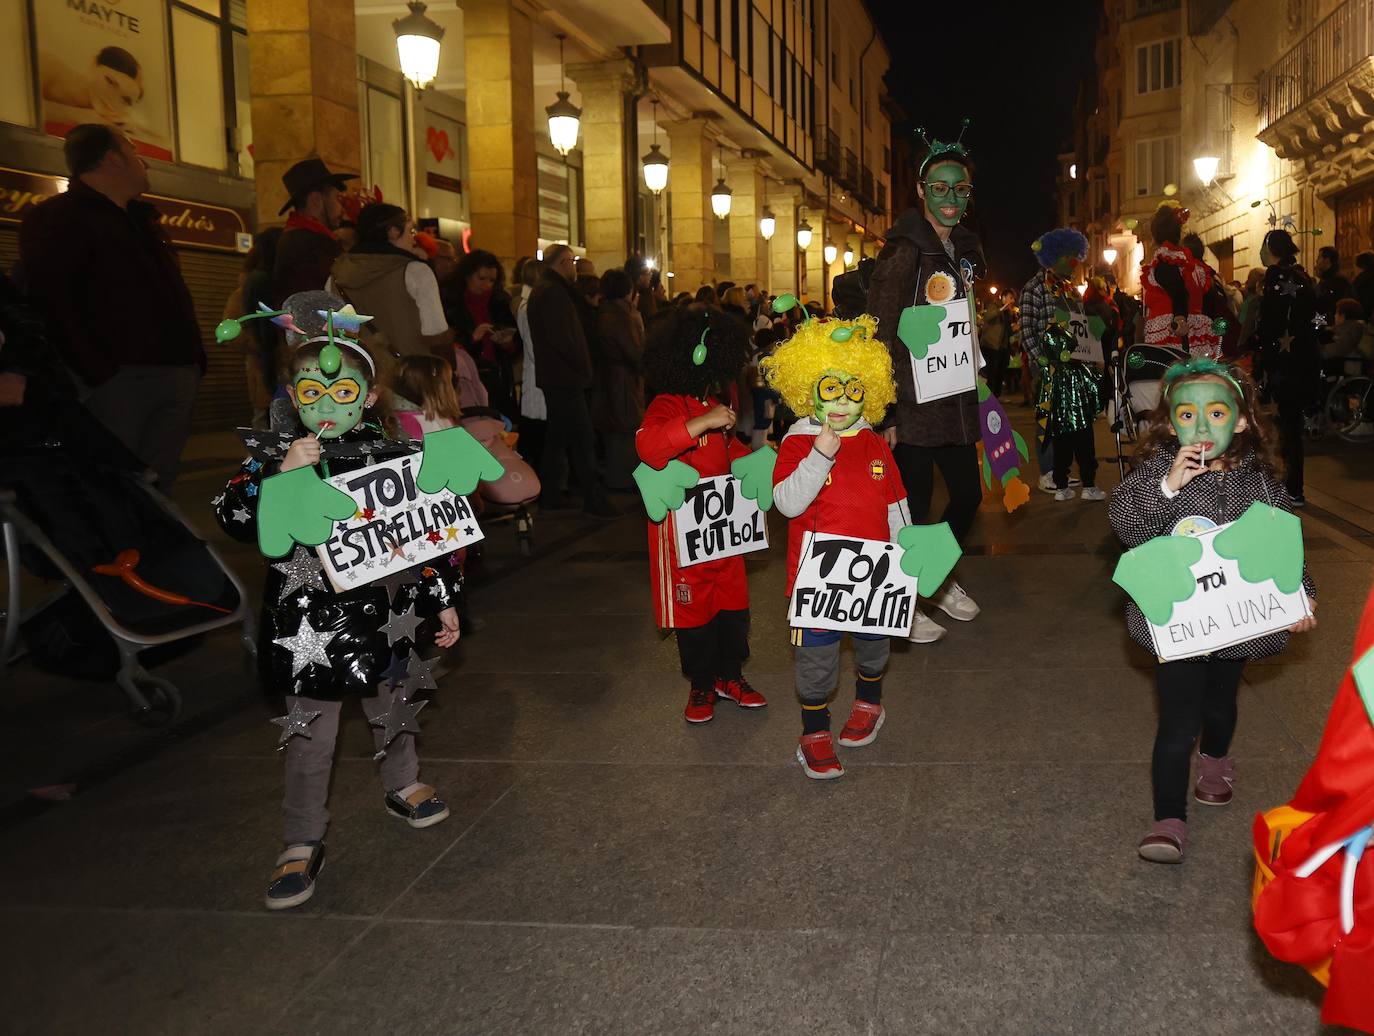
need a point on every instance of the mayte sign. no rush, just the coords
(716, 521)
(853, 585)
(395, 527)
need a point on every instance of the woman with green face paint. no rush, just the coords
(1204, 459)
(931, 258)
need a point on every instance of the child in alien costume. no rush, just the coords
(318, 646)
(834, 474)
(1204, 460)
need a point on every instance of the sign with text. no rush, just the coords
(1225, 609)
(395, 527)
(716, 521)
(1087, 346)
(948, 367)
(853, 585)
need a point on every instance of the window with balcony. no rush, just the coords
(1156, 165)
(1156, 66)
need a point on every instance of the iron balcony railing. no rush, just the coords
(849, 172)
(829, 154)
(866, 184)
(882, 197)
(1340, 42)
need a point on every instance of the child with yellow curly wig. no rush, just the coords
(834, 474)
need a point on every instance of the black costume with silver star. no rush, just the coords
(360, 633)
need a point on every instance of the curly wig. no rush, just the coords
(1166, 225)
(1057, 244)
(672, 338)
(797, 364)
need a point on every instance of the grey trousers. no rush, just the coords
(149, 410)
(818, 668)
(309, 762)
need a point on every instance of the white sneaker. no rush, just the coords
(1047, 483)
(1064, 494)
(1074, 480)
(924, 629)
(955, 602)
(1093, 493)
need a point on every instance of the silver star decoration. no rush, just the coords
(301, 570)
(371, 460)
(437, 589)
(251, 442)
(1289, 288)
(352, 576)
(241, 515)
(296, 722)
(1318, 319)
(217, 500)
(307, 646)
(393, 582)
(303, 601)
(394, 675)
(420, 673)
(404, 625)
(398, 717)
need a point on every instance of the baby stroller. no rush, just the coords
(510, 495)
(135, 577)
(1136, 371)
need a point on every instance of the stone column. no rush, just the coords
(503, 190)
(608, 191)
(782, 250)
(748, 251)
(304, 92)
(689, 183)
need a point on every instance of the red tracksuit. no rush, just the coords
(688, 597)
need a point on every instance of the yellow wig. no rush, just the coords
(797, 364)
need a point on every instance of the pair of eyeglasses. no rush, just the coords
(831, 388)
(343, 391)
(940, 189)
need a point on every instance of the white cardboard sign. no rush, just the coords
(1087, 346)
(949, 367)
(1225, 609)
(395, 527)
(715, 521)
(851, 584)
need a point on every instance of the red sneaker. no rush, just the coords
(739, 692)
(863, 725)
(816, 753)
(701, 707)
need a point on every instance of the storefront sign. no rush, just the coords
(190, 223)
(106, 61)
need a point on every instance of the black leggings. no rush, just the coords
(958, 467)
(1193, 697)
(1080, 446)
(716, 650)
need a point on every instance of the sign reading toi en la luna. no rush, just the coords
(186, 222)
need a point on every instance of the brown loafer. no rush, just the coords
(1164, 842)
(1216, 779)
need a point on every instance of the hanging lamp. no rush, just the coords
(655, 162)
(564, 116)
(418, 38)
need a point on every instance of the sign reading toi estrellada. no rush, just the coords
(853, 585)
(395, 526)
(716, 521)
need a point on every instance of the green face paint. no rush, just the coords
(839, 400)
(330, 404)
(1205, 411)
(943, 184)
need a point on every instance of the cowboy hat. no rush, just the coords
(308, 175)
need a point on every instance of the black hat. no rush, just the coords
(308, 175)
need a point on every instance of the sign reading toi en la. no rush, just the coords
(948, 367)
(1225, 608)
(396, 525)
(717, 521)
(853, 585)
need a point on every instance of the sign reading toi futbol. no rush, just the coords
(853, 585)
(717, 521)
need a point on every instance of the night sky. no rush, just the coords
(1015, 69)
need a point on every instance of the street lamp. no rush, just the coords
(830, 251)
(992, 290)
(848, 257)
(1082, 289)
(1109, 256)
(417, 45)
(564, 116)
(803, 235)
(768, 225)
(655, 162)
(1206, 168)
(720, 198)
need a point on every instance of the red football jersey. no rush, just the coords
(855, 497)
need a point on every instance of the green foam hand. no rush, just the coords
(929, 553)
(1363, 672)
(454, 460)
(1158, 574)
(665, 489)
(919, 328)
(297, 506)
(1265, 543)
(1097, 327)
(755, 474)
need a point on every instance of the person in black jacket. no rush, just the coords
(1288, 352)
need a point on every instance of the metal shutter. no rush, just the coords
(212, 278)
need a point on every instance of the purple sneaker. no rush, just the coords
(1216, 780)
(1164, 842)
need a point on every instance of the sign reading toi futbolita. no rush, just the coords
(853, 585)
(395, 526)
(717, 521)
